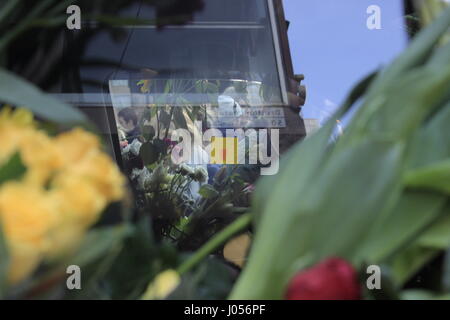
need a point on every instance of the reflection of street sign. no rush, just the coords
(252, 117)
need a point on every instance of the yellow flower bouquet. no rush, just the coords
(52, 190)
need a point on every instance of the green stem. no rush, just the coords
(238, 225)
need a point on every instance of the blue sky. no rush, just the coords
(331, 45)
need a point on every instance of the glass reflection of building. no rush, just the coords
(232, 60)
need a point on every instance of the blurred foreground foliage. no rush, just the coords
(379, 195)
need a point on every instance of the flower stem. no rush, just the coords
(238, 225)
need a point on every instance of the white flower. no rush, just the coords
(142, 176)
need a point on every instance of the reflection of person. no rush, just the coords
(128, 120)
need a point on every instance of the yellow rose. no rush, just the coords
(99, 169)
(74, 145)
(40, 156)
(36, 149)
(27, 217)
(68, 183)
(14, 125)
(78, 198)
(10, 137)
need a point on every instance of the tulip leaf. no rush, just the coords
(422, 246)
(411, 100)
(409, 261)
(440, 57)
(17, 92)
(310, 153)
(430, 145)
(414, 57)
(437, 236)
(390, 234)
(343, 225)
(349, 199)
(418, 52)
(307, 224)
(435, 177)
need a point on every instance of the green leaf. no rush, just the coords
(422, 246)
(207, 191)
(437, 235)
(390, 234)
(435, 177)
(97, 243)
(415, 56)
(432, 142)
(410, 99)
(13, 169)
(409, 262)
(319, 216)
(326, 198)
(311, 153)
(15, 91)
(418, 52)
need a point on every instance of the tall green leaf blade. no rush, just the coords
(345, 218)
(307, 224)
(15, 91)
(436, 177)
(432, 143)
(409, 261)
(310, 154)
(408, 219)
(437, 236)
(415, 56)
(410, 99)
